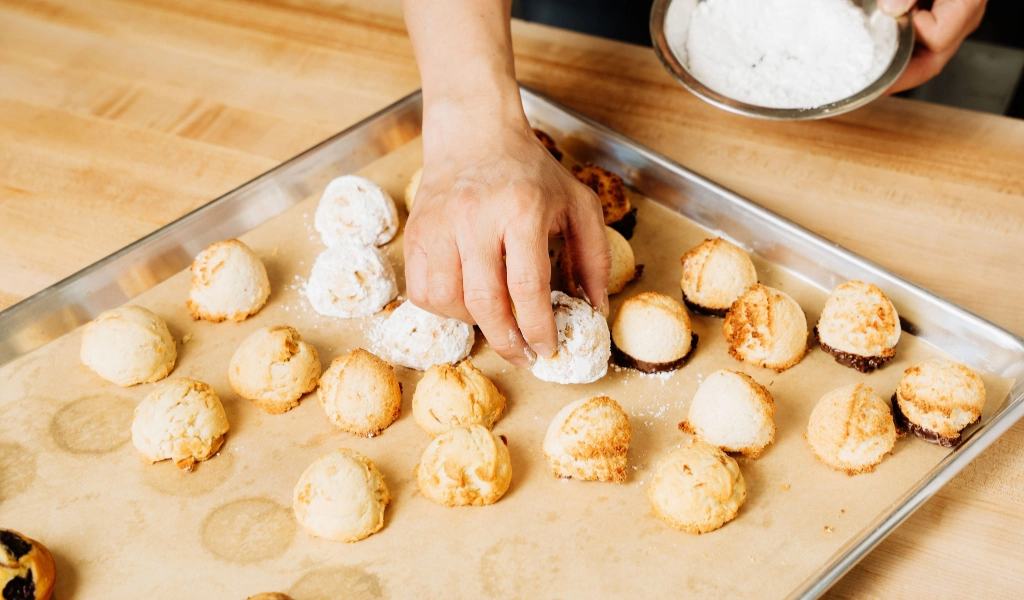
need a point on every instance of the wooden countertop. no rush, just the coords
(117, 117)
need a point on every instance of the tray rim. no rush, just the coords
(814, 586)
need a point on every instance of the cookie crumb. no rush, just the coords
(187, 338)
(828, 529)
(785, 486)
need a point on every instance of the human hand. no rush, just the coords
(490, 189)
(940, 31)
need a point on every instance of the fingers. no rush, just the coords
(588, 247)
(487, 300)
(529, 277)
(923, 66)
(895, 8)
(444, 279)
(947, 23)
(416, 273)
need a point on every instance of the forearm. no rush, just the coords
(464, 52)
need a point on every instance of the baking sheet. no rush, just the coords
(70, 477)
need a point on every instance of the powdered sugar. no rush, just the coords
(355, 208)
(781, 53)
(350, 280)
(584, 344)
(414, 338)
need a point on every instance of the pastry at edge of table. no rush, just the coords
(27, 570)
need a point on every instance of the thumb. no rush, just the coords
(895, 8)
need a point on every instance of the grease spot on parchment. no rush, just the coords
(165, 478)
(248, 530)
(17, 470)
(338, 583)
(93, 424)
(506, 575)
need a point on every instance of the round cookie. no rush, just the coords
(355, 209)
(455, 396)
(733, 412)
(412, 187)
(767, 328)
(584, 344)
(273, 368)
(651, 333)
(350, 281)
(588, 440)
(228, 282)
(270, 596)
(128, 345)
(341, 497)
(715, 274)
(182, 420)
(414, 338)
(619, 213)
(465, 466)
(27, 570)
(937, 400)
(697, 488)
(360, 393)
(859, 327)
(851, 429)
(624, 267)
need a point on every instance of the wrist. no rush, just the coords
(470, 116)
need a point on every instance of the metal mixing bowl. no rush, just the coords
(904, 48)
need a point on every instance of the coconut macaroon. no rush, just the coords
(767, 328)
(27, 570)
(412, 187)
(465, 466)
(455, 395)
(181, 420)
(349, 280)
(588, 440)
(697, 488)
(851, 429)
(548, 142)
(937, 400)
(341, 497)
(360, 393)
(128, 345)
(619, 213)
(651, 333)
(273, 368)
(624, 267)
(733, 412)
(859, 327)
(414, 338)
(356, 209)
(228, 282)
(715, 274)
(584, 343)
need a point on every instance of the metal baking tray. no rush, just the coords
(127, 273)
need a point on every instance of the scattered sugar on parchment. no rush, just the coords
(781, 53)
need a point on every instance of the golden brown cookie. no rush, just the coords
(733, 412)
(228, 282)
(697, 488)
(619, 213)
(651, 333)
(128, 345)
(182, 420)
(715, 274)
(360, 393)
(465, 466)
(938, 399)
(273, 368)
(851, 429)
(859, 326)
(588, 440)
(341, 497)
(455, 396)
(767, 328)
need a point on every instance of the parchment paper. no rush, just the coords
(70, 477)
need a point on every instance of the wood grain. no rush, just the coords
(116, 117)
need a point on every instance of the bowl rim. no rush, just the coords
(904, 50)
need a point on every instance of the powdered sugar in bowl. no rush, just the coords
(782, 59)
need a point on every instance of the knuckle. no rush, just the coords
(418, 295)
(443, 293)
(528, 287)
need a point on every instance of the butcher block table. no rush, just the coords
(117, 117)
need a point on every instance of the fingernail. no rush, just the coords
(895, 8)
(542, 349)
